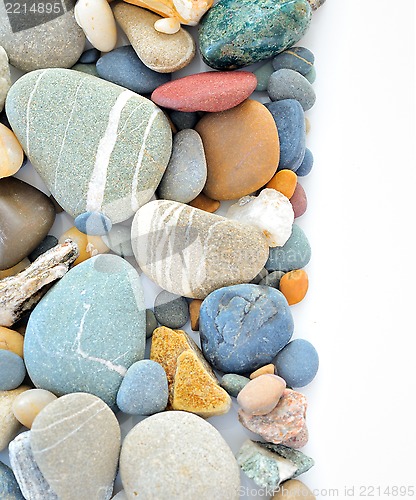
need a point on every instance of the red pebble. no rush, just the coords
(299, 201)
(213, 91)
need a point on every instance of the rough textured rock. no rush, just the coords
(178, 449)
(9, 489)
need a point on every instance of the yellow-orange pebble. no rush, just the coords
(11, 341)
(194, 308)
(264, 370)
(11, 152)
(294, 286)
(284, 181)
(89, 246)
(203, 202)
(29, 404)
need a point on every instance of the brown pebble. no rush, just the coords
(12, 271)
(299, 201)
(57, 206)
(264, 370)
(204, 203)
(294, 490)
(194, 308)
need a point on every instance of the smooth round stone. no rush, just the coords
(75, 441)
(88, 246)
(98, 310)
(89, 69)
(183, 120)
(116, 172)
(272, 279)
(233, 383)
(186, 173)
(231, 143)
(5, 78)
(294, 254)
(290, 122)
(294, 286)
(29, 404)
(299, 201)
(289, 84)
(27, 215)
(158, 51)
(97, 21)
(93, 223)
(311, 76)
(50, 38)
(118, 240)
(9, 489)
(90, 56)
(299, 59)
(123, 67)
(45, 245)
(236, 33)
(264, 370)
(261, 394)
(297, 363)
(11, 152)
(230, 341)
(171, 310)
(295, 490)
(177, 247)
(12, 370)
(151, 323)
(263, 74)
(212, 91)
(144, 390)
(11, 341)
(306, 165)
(185, 457)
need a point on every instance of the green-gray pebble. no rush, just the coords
(263, 74)
(289, 84)
(89, 69)
(272, 279)
(119, 240)
(294, 254)
(151, 323)
(233, 383)
(9, 489)
(171, 310)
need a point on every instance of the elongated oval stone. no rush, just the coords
(88, 329)
(97, 146)
(191, 252)
(236, 33)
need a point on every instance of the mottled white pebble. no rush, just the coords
(270, 211)
(96, 19)
(29, 404)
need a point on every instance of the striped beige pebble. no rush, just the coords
(191, 252)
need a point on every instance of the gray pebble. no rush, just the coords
(233, 383)
(289, 84)
(184, 119)
(48, 243)
(171, 310)
(12, 370)
(119, 240)
(272, 279)
(262, 274)
(90, 56)
(151, 323)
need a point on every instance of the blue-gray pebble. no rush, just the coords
(306, 165)
(311, 76)
(93, 223)
(48, 243)
(9, 489)
(243, 327)
(184, 119)
(272, 279)
(294, 254)
(88, 329)
(171, 310)
(290, 122)
(144, 390)
(289, 84)
(299, 59)
(123, 67)
(12, 370)
(297, 363)
(233, 383)
(90, 56)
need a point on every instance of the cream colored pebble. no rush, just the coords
(29, 404)
(11, 152)
(261, 394)
(96, 19)
(168, 25)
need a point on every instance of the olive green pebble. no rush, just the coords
(233, 383)
(151, 323)
(89, 69)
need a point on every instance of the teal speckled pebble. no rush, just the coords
(12, 370)
(236, 33)
(233, 383)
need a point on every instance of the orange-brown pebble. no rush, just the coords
(11, 341)
(194, 308)
(284, 181)
(307, 125)
(11, 152)
(294, 490)
(204, 203)
(29, 404)
(294, 286)
(264, 370)
(23, 264)
(89, 246)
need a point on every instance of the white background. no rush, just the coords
(360, 308)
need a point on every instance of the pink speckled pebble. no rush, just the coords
(283, 423)
(261, 394)
(213, 91)
(300, 440)
(299, 201)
